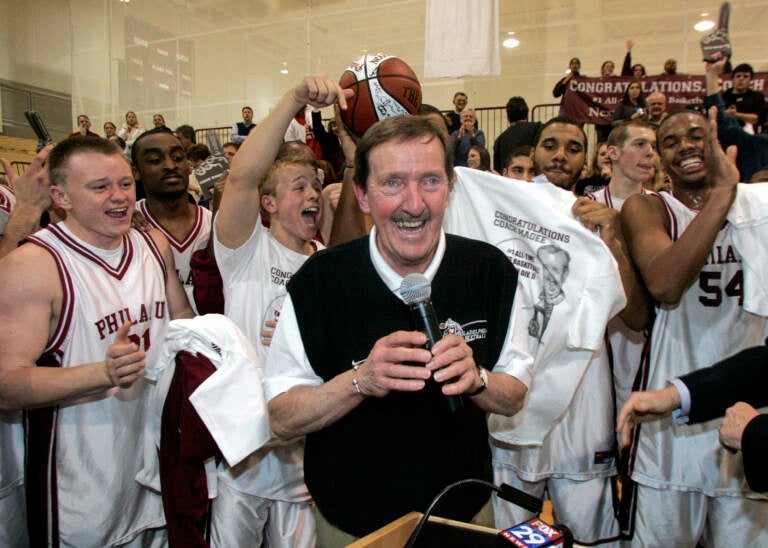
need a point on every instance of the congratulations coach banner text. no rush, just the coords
(593, 100)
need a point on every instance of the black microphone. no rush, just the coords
(416, 290)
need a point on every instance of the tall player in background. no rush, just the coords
(255, 264)
(687, 489)
(83, 302)
(160, 165)
(631, 148)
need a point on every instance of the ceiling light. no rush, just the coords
(704, 25)
(284, 70)
(510, 42)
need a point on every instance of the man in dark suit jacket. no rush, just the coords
(732, 387)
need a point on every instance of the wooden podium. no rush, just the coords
(438, 532)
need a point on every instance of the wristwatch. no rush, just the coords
(483, 374)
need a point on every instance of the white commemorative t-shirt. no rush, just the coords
(569, 287)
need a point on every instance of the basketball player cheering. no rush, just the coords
(255, 264)
(685, 251)
(84, 301)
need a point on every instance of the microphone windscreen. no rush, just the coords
(415, 288)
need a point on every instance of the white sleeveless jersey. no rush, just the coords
(7, 203)
(255, 276)
(182, 250)
(626, 344)
(96, 447)
(708, 324)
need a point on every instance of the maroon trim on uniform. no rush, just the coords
(156, 252)
(125, 259)
(673, 228)
(177, 245)
(5, 200)
(40, 469)
(67, 297)
(629, 487)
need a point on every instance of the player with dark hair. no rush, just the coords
(160, 165)
(519, 165)
(688, 257)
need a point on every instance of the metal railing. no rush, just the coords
(492, 120)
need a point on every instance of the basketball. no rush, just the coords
(384, 86)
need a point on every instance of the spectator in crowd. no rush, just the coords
(637, 71)
(131, 130)
(607, 68)
(574, 68)
(197, 154)
(732, 388)
(466, 136)
(632, 106)
(657, 109)
(121, 143)
(682, 476)
(670, 67)
(230, 149)
(752, 150)
(743, 103)
(186, 134)
(453, 119)
(94, 324)
(109, 130)
(328, 142)
(158, 120)
(520, 164)
(241, 129)
(479, 158)
(160, 165)
(598, 172)
(519, 133)
(83, 127)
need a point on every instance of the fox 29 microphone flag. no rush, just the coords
(462, 38)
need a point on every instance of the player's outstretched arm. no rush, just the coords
(29, 307)
(239, 210)
(645, 407)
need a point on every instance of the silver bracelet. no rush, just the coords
(356, 384)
